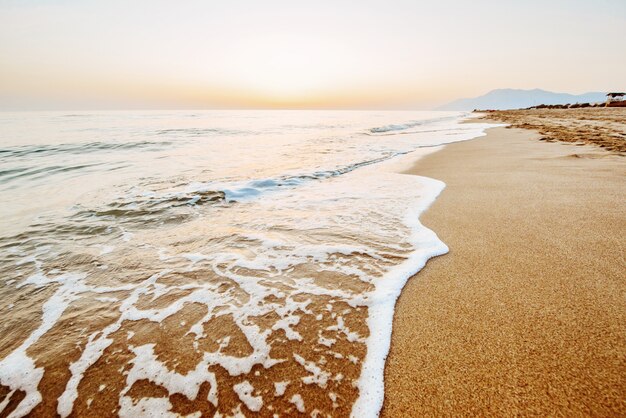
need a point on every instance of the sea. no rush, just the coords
(209, 263)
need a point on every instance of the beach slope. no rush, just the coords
(526, 315)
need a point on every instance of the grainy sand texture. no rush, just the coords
(602, 126)
(527, 313)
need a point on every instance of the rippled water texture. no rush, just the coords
(188, 263)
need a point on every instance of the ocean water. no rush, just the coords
(224, 263)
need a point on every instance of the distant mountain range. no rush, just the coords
(518, 99)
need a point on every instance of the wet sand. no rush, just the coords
(527, 313)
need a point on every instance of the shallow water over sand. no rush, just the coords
(189, 263)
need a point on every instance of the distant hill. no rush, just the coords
(517, 99)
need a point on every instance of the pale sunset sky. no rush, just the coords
(86, 54)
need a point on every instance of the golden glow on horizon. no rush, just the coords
(280, 54)
(287, 68)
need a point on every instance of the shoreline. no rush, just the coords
(525, 314)
(240, 315)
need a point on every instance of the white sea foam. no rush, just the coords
(317, 229)
(280, 388)
(298, 402)
(317, 375)
(18, 370)
(381, 305)
(244, 390)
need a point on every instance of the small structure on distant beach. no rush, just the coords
(615, 100)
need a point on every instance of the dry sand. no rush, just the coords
(601, 126)
(527, 313)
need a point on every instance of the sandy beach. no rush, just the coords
(220, 313)
(526, 314)
(604, 127)
(216, 209)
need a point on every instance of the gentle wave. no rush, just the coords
(408, 125)
(42, 172)
(46, 150)
(198, 132)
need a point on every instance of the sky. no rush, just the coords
(353, 54)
